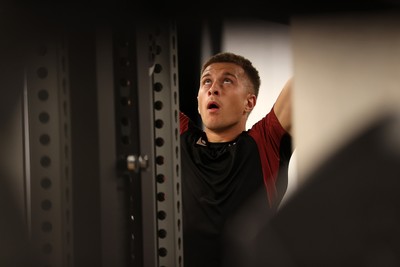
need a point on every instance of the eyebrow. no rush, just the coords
(223, 74)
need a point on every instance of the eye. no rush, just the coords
(207, 81)
(226, 80)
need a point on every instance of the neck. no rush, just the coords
(219, 136)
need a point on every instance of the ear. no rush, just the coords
(250, 103)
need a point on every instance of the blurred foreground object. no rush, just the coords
(346, 214)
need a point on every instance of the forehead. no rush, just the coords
(223, 68)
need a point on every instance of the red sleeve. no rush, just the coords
(183, 122)
(268, 133)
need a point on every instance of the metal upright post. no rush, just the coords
(95, 162)
(158, 157)
(47, 148)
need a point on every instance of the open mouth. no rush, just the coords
(212, 105)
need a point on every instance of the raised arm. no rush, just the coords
(283, 106)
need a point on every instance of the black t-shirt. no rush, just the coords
(217, 178)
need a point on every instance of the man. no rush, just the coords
(223, 164)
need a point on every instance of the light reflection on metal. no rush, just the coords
(136, 163)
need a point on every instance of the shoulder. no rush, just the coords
(183, 122)
(268, 121)
(188, 127)
(268, 130)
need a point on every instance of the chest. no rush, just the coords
(222, 170)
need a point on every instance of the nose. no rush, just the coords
(213, 91)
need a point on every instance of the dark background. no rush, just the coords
(189, 17)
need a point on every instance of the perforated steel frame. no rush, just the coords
(146, 99)
(92, 96)
(47, 149)
(158, 85)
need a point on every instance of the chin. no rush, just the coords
(212, 125)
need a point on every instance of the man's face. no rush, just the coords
(224, 97)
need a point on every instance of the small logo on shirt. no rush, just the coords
(201, 142)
